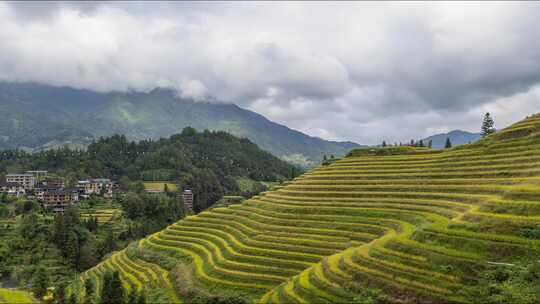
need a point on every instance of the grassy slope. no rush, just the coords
(417, 223)
(9, 296)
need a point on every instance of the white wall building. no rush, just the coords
(28, 181)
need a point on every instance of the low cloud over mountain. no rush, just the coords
(357, 71)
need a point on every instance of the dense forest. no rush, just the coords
(208, 162)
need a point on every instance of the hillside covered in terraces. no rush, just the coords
(417, 224)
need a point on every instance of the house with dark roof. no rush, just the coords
(12, 189)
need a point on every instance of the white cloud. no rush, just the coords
(357, 71)
(193, 89)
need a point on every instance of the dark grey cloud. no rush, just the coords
(338, 70)
(43, 10)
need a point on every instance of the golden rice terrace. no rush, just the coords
(414, 222)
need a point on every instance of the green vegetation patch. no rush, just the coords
(11, 296)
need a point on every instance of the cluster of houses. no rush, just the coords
(52, 191)
(54, 196)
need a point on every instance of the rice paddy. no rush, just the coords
(416, 223)
(10, 296)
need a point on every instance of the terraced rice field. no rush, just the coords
(8, 296)
(160, 186)
(135, 274)
(417, 223)
(103, 215)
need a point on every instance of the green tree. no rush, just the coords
(72, 218)
(123, 183)
(430, 144)
(60, 294)
(59, 233)
(117, 290)
(517, 284)
(132, 297)
(109, 244)
(448, 143)
(40, 282)
(72, 299)
(384, 143)
(142, 297)
(92, 223)
(72, 249)
(488, 125)
(165, 188)
(87, 255)
(137, 187)
(89, 289)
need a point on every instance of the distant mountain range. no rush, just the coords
(36, 116)
(457, 137)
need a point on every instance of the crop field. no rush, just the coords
(105, 213)
(8, 296)
(416, 223)
(160, 186)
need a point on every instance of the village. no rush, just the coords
(54, 196)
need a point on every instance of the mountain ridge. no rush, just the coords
(457, 137)
(142, 115)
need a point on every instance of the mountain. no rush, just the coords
(457, 137)
(37, 116)
(382, 225)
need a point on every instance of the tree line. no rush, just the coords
(487, 128)
(207, 162)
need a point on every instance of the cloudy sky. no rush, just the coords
(345, 71)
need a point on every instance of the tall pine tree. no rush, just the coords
(59, 234)
(73, 250)
(488, 125)
(109, 242)
(448, 144)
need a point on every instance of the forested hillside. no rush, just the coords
(207, 162)
(383, 225)
(72, 116)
